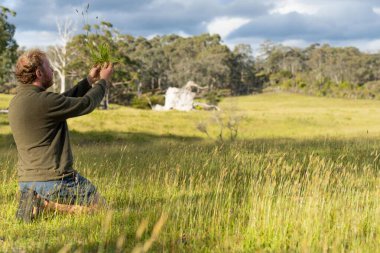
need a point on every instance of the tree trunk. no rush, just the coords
(105, 102)
(62, 76)
(159, 83)
(139, 89)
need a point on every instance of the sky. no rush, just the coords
(289, 22)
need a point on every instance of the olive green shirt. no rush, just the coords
(38, 123)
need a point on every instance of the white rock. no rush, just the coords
(177, 99)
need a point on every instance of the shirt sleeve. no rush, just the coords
(79, 90)
(60, 107)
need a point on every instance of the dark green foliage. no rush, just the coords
(7, 30)
(213, 97)
(141, 102)
(157, 100)
(8, 51)
(147, 102)
(242, 78)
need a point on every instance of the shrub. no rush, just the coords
(146, 102)
(300, 83)
(213, 98)
(157, 100)
(141, 102)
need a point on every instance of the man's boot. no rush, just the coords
(29, 207)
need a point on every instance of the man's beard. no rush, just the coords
(47, 83)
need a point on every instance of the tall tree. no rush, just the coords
(8, 50)
(243, 79)
(59, 55)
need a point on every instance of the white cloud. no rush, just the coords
(30, 39)
(376, 10)
(370, 46)
(12, 4)
(288, 6)
(180, 33)
(156, 3)
(254, 42)
(295, 43)
(151, 36)
(183, 34)
(225, 25)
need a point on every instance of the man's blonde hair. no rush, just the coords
(27, 65)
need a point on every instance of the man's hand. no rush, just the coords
(106, 72)
(94, 74)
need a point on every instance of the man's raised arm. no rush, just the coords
(61, 107)
(81, 88)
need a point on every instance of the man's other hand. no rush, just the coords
(93, 76)
(106, 72)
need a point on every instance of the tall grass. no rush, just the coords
(274, 194)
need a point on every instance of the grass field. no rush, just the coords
(302, 176)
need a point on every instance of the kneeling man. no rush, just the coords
(37, 118)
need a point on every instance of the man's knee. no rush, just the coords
(71, 209)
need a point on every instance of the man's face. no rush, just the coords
(47, 74)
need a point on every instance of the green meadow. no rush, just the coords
(291, 173)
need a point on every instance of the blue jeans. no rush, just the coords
(72, 190)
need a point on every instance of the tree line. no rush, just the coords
(321, 70)
(151, 65)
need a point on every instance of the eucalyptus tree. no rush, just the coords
(8, 50)
(242, 79)
(58, 54)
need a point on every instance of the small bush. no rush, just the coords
(157, 100)
(300, 83)
(141, 102)
(213, 98)
(146, 102)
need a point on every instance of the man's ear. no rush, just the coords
(38, 73)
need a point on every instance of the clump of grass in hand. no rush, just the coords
(101, 54)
